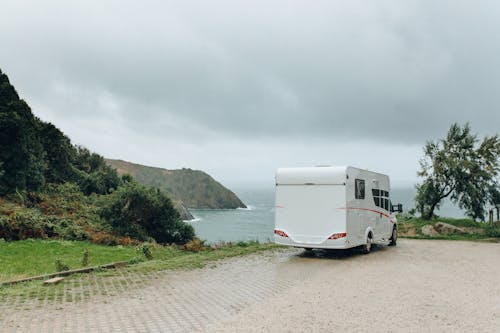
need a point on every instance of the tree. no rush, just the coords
(60, 154)
(33, 153)
(139, 212)
(462, 169)
(21, 153)
(93, 174)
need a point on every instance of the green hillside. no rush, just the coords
(50, 188)
(194, 188)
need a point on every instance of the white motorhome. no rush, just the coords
(331, 207)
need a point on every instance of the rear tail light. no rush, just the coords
(280, 233)
(338, 235)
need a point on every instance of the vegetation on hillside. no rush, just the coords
(460, 168)
(139, 212)
(60, 211)
(50, 188)
(194, 188)
(467, 229)
(34, 153)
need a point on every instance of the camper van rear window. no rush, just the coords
(359, 188)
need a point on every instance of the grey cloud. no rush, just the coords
(385, 71)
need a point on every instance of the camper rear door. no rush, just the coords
(309, 213)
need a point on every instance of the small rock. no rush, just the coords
(53, 280)
(447, 229)
(428, 230)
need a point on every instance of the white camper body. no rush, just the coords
(333, 208)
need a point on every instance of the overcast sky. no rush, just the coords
(239, 88)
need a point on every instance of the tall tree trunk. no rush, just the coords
(430, 213)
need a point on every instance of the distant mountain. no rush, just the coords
(194, 188)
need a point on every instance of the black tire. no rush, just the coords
(394, 237)
(365, 249)
(308, 249)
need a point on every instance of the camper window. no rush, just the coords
(359, 189)
(381, 198)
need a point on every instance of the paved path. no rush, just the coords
(434, 286)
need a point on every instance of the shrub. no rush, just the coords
(139, 212)
(492, 230)
(61, 266)
(23, 224)
(145, 249)
(127, 241)
(85, 258)
(195, 245)
(103, 238)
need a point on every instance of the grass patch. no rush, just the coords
(36, 257)
(20, 259)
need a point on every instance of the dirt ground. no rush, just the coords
(418, 286)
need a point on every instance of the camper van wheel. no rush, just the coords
(308, 249)
(368, 246)
(394, 236)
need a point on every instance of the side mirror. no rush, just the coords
(397, 208)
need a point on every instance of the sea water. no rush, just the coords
(257, 221)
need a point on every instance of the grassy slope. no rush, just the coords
(62, 212)
(37, 257)
(194, 188)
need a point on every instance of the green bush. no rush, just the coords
(145, 249)
(61, 266)
(139, 212)
(492, 230)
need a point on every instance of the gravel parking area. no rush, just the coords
(418, 286)
(432, 286)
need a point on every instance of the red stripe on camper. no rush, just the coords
(367, 209)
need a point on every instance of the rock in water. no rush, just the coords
(183, 211)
